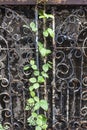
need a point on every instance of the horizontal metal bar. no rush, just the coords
(50, 2)
(68, 2)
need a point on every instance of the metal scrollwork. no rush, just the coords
(17, 47)
(74, 84)
(67, 85)
(70, 88)
(84, 95)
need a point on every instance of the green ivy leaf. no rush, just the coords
(44, 119)
(41, 79)
(43, 15)
(34, 67)
(50, 66)
(45, 75)
(32, 80)
(45, 33)
(45, 67)
(38, 128)
(30, 100)
(26, 67)
(32, 93)
(50, 16)
(31, 121)
(36, 73)
(40, 116)
(36, 85)
(36, 99)
(34, 114)
(51, 32)
(27, 108)
(39, 122)
(33, 26)
(44, 105)
(31, 88)
(44, 127)
(32, 62)
(48, 52)
(46, 15)
(37, 106)
(43, 52)
(40, 45)
(40, 12)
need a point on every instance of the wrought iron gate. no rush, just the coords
(66, 90)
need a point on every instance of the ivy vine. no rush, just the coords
(34, 103)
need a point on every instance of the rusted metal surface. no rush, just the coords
(68, 2)
(17, 47)
(51, 2)
(69, 106)
(66, 89)
(18, 2)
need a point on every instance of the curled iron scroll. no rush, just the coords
(74, 84)
(84, 95)
(5, 97)
(4, 82)
(84, 111)
(6, 113)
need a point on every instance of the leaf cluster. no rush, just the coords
(43, 51)
(43, 15)
(31, 26)
(34, 103)
(38, 120)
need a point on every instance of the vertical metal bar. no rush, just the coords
(54, 70)
(73, 104)
(36, 45)
(9, 72)
(45, 59)
(24, 107)
(81, 83)
(44, 28)
(67, 107)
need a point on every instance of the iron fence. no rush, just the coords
(66, 89)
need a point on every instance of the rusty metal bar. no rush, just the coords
(36, 22)
(45, 59)
(81, 88)
(68, 2)
(54, 71)
(11, 105)
(50, 2)
(24, 105)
